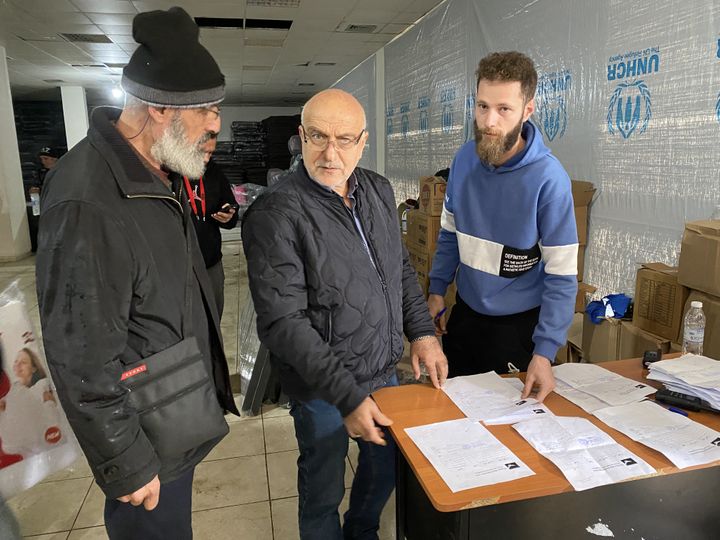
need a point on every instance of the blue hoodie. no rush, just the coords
(509, 233)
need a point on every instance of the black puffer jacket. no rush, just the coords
(111, 274)
(332, 320)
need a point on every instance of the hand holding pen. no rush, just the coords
(436, 306)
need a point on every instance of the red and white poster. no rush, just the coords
(35, 438)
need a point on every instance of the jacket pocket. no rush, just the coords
(175, 399)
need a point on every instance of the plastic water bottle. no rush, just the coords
(35, 201)
(694, 329)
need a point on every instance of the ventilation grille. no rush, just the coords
(53, 81)
(358, 28)
(116, 65)
(86, 38)
(306, 84)
(325, 63)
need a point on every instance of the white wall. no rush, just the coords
(250, 114)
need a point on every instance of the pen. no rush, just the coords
(676, 410)
(440, 314)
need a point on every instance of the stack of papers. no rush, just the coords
(492, 399)
(592, 387)
(690, 374)
(681, 440)
(586, 455)
(466, 454)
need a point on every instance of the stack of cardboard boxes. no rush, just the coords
(656, 321)
(423, 228)
(582, 193)
(662, 297)
(699, 271)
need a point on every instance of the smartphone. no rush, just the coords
(227, 206)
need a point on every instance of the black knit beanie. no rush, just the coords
(170, 68)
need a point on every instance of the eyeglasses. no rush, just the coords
(321, 141)
(207, 112)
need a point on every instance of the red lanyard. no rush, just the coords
(191, 196)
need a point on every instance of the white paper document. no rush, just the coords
(602, 384)
(493, 399)
(681, 440)
(466, 455)
(690, 374)
(586, 455)
(586, 402)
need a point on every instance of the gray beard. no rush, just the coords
(173, 150)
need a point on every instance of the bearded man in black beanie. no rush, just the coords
(130, 325)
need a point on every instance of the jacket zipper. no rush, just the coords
(168, 197)
(174, 397)
(375, 264)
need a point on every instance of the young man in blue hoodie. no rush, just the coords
(507, 236)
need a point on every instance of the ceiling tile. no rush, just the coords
(149, 5)
(45, 6)
(105, 6)
(117, 19)
(121, 39)
(116, 29)
(260, 56)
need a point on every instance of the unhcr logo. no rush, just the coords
(552, 94)
(630, 109)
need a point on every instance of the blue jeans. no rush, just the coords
(323, 442)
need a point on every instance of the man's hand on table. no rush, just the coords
(429, 352)
(540, 374)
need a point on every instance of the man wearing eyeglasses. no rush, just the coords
(334, 291)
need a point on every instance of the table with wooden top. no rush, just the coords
(673, 504)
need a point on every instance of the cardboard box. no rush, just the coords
(581, 222)
(700, 257)
(582, 193)
(423, 230)
(421, 261)
(600, 342)
(572, 351)
(584, 290)
(711, 308)
(659, 300)
(581, 263)
(634, 341)
(432, 195)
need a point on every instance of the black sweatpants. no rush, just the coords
(477, 343)
(171, 518)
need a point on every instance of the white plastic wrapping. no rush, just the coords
(426, 91)
(628, 99)
(360, 82)
(35, 437)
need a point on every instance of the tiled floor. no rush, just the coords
(244, 490)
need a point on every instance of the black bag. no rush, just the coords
(172, 390)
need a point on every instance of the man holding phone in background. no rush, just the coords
(213, 206)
